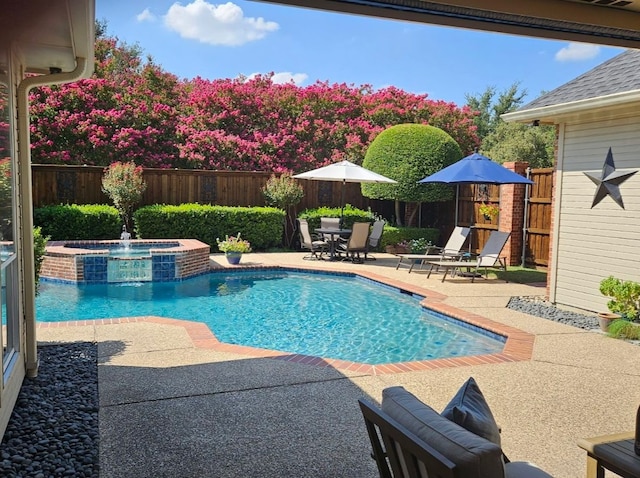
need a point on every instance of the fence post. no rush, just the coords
(511, 217)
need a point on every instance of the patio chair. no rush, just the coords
(374, 239)
(358, 242)
(308, 242)
(488, 257)
(450, 251)
(329, 223)
(409, 439)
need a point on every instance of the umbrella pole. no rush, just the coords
(457, 196)
(344, 184)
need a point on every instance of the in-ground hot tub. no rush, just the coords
(96, 262)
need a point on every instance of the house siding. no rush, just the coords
(593, 243)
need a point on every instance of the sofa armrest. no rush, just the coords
(398, 452)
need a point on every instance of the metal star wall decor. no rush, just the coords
(609, 181)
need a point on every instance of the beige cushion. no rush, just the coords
(474, 456)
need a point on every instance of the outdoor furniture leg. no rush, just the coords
(594, 470)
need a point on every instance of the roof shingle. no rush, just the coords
(619, 74)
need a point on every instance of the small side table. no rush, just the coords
(611, 452)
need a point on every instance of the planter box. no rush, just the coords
(396, 249)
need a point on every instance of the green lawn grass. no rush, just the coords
(521, 275)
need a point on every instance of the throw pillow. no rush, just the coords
(469, 409)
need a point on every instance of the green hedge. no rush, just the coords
(393, 235)
(351, 215)
(78, 222)
(261, 226)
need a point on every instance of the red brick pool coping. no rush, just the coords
(518, 346)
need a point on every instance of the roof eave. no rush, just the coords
(59, 33)
(551, 114)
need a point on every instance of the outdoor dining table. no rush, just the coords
(334, 235)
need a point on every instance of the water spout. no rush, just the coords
(125, 237)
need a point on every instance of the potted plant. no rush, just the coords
(233, 248)
(624, 300)
(419, 246)
(489, 211)
(402, 247)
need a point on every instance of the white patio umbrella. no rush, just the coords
(345, 172)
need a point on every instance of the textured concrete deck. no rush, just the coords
(171, 406)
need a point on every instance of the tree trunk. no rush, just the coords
(398, 214)
(413, 214)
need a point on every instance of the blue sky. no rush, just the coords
(224, 40)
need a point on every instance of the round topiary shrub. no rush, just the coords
(408, 153)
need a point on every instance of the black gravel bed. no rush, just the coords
(539, 307)
(53, 430)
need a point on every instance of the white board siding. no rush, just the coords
(594, 243)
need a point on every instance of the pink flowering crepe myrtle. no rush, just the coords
(137, 112)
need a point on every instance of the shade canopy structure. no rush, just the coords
(345, 172)
(476, 169)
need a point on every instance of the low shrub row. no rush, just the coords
(261, 226)
(78, 222)
(394, 235)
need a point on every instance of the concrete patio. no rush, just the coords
(170, 406)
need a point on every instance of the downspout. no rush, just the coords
(25, 200)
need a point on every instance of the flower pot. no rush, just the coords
(395, 249)
(605, 319)
(233, 257)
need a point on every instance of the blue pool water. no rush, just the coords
(325, 315)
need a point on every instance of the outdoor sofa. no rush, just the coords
(411, 440)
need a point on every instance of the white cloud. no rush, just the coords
(288, 77)
(223, 24)
(577, 52)
(146, 16)
(284, 77)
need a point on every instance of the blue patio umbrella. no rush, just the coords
(475, 169)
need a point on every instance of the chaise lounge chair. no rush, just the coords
(451, 250)
(488, 257)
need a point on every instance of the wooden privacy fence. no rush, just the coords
(538, 217)
(56, 184)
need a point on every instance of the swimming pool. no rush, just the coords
(325, 315)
